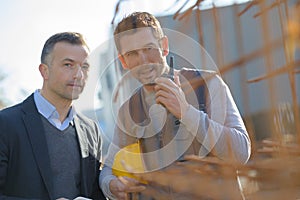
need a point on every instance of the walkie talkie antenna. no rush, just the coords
(171, 73)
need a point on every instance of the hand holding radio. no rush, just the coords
(169, 93)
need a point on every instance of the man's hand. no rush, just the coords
(170, 94)
(121, 186)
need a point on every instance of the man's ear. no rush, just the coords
(121, 58)
(165, 45)
(44, 70)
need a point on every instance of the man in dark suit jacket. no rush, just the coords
(47, 150)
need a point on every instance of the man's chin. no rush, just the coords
(75, 96)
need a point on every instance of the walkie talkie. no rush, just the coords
(171, 72)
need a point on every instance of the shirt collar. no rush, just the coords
(46, 109)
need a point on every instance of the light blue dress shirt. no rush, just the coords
(46, 109)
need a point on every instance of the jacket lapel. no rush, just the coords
(81, 130)
(35, 132)
(89, 167)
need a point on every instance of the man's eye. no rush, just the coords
(149, 48)
(85, 67)
(130, 53)
(68, 64)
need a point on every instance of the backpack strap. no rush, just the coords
(197, 82)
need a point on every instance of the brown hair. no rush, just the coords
(134, 21)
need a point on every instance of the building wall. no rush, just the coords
(240, 37)
(228, 38)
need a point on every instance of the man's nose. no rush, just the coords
(78, 74)
(143, 57)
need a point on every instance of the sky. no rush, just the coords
(27, 24)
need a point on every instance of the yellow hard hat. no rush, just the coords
(128, 161)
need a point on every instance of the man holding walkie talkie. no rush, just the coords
(170, 115)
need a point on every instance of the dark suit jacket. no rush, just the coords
(24, 161)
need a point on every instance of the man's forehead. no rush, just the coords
(136, 40)
(64, 51)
